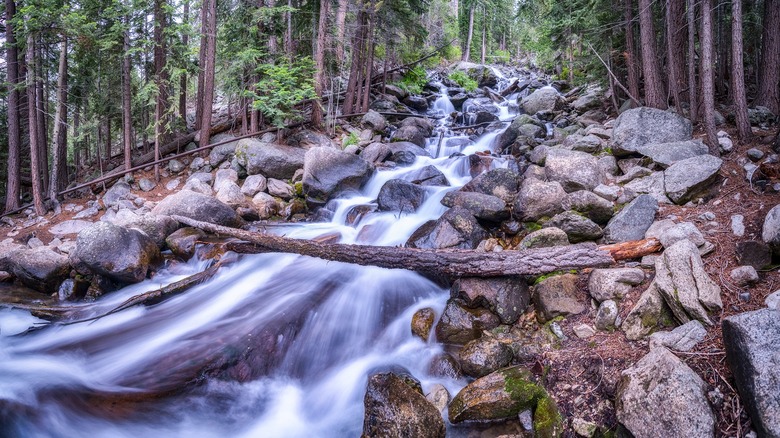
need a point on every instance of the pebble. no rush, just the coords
(583, 331)
(744, 275)
(707, 216)
(526, 420)
(738, 225)
(557, 331)
(755, 154)
(744, 296)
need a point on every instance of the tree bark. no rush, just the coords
(484, 36)
(693, 95)
(185, 40)
(769, 70)
(675, 45)
(319, 64)
(631, 64)
(42, 125)
(707, 86)
(467, 53)
(127, 115)
(32, 119)
(210, 15)
(655, 94)
(341, 29)
(738, 73)
(59, 149)
(14, 124)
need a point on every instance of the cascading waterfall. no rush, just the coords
(319, 327)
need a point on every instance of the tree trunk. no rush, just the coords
(14, 125)
(201, 64)
(675, 48)
(693, 95)
(707, 86)
(127, 115)
(42, 125)
(769, 70)
(185, 40)
(484, 36)
(161, 80)
(341, 29)
(467, 53)
(356, 76)
(319, 64)
(655, 95)
(738, 73)
(32, 119)
(59, 159)
(210, 15)
(288, 39)
(631, 64)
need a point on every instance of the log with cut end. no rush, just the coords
(439, 262)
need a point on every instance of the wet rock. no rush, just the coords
(374, 121)
(574, 170)
(328, 172)
(427, 176)
(519, 125)
(682, 338)
(157, 227)
(752, 344)
(400, 195)
(482, 206)
(754, 253)
(609, 284)
(459, 325)
(39, 268)
(685, 285)
(544, 238)
(593, 206)
(358, 212)
(577, 228)
(456, 228)
(606, 315)
(648, 313)
(417, 103)
(507, 297)
(198, 207)
(744, 276)
(266, 205)
(502, 183)
(444, 365)
(280, 189)
(538, 199)
(269, 159)
(182, 241)
(73, 226)
(666, 154)
(632, 221)
(422, 323)
(394, 408)
(116, 193)
(690, 178)
(121, 254)
(557, 296)
(230, 194)
(223, 152)
(399, 148)
(414, 130)
(543, 99)
(438, 396)
(640, 126)
(770, 233)
(660, 392)
(376, 152)
(483, 356)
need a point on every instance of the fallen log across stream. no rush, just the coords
(452, 263)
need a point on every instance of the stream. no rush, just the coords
(294, 338)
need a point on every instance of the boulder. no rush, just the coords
(414, 130)
(396, 407)
(544, 238)
(609, 284)
(678, 232)
(648, 313)
(417, 103)
(459, 325)
(744, 276)
(400, 195)
(589, 100)
(593, 206)
(632, 221)
(754, 253)
(482, 206)
(682, 338)
(456, 228)
(752, 342)
(146, 185)
(684, 284)
(254, 184)
(116, 193)
(121, 254)
(230, 194)
(223, 152)
(374, 121)
(574, 170)
(224, 176)
(182, 241)
(521, 125)
(266, 205)
(652, 185)
(507, 297)
(427, 176)
(376, 152)
(538, 199)
(640, 126)
(577, 227)
(198, 207)
(543, 99)
(157, 227)
(666, 154)
(606, 315)
(73, 226)
(40, 268)
(690, 178)
(269, 159)
(557, 296)
(483, 356)
(661, 393)
(280, 189)
(502, 183)
(770, 233)
(328, 172)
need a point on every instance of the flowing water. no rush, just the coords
(281, 345)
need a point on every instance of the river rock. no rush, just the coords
(609, 284)
(438, 396)
(157, 227)
(544, 238)
(280, 189)
(254, 184)
(577, 228)
(122, 254)
(376, 152)
(414, 130)
(269, 159)
(770, 232)
(224, 176)
(116, 193)
(328, 172)
(661, 393)
(648, 313)
(690, 178)
(640, 126)
(459, 325)
(266, 205)
(557, 296)
(682, 338)
(502, 183)
(405, 148)
(574, 170)
(593, 206)
(456, 228)
(538, 199)
(427, 176)
(519, 125)
(182, 241)
(400, 195)
(223, 152)
(417, 103)
(507, 297)
(374, 121)
(198, 207)
(752, 342)
(543, 99)
(422, 323)
(396, 408)
(482, 206)
(230, 194)
(666, 154)
(39, 268)
(482, 356)
(632, 221)
(685, 285)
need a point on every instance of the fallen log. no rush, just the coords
(451, 263)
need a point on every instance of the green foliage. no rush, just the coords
(281, 87)
(414, 80)
(351, 139)
(463, 80)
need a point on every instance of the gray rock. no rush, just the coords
(175, 166)
(502, 183)
(595, 207)
(438, 396)
(417, 103)
(39, 268)
(223, 152)
(254, 184)
(195, 185)
(744, 276)
(157, 227)
(414, 130)
(666, 154)
(230, 194)
(88, 212)
(265, 204)
(427, 176)
(632, 221)
(396, 407)
(752, 344)
(652, 185)
(376, 153)
(648, 313)
(609, 284)
(456, 228)
(661, 393)
(405, 148)
(684, 284)
(204, 177)
(754, 253)
(402, 196)
(199, 207)
(269, 159)
(374, 121)
(610, 193)
(538, 199)
(122, 254)
(507, 297)
(583, 331)
(116, 193)
(146, 184)
(634, 173)
(606, 315)
(690, 178)
(483, 356)
(73, 226)
(770, 232)
(772, 300)
(280, 189)
(682, 338)
(182, 241)
(459, 325)
(543, 99)
(738, 225)
(577, 227)
(544, 238)
(482, 206)
(224, 176)
(574, 170)
(755, 154)
(197, 163)
(557, 296)
(328, 172)
(589, 143)
(724, 141)
(173, 184)
(640, 126)
(681, 231)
